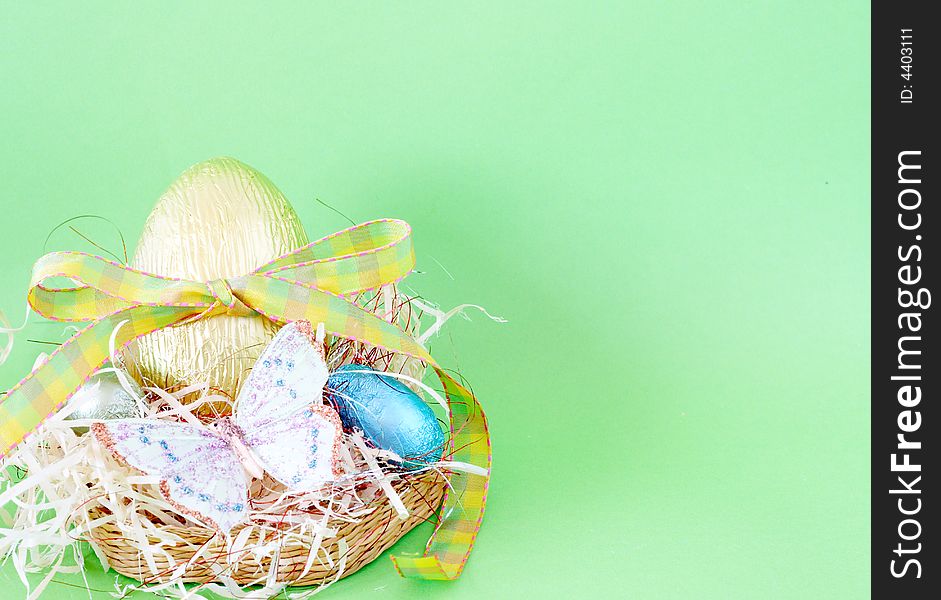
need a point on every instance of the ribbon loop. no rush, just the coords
(356, 259)
(314, 283)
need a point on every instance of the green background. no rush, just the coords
(668, 201)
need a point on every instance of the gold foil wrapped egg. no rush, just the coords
(220, 218)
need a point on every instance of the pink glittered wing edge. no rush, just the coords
(331, 415)
(101, 433)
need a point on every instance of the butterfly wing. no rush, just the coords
(200, 474)
(302, 450)
(281, 414)
(288, 377)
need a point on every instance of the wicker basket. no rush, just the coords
(366, 540)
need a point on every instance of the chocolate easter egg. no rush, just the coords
(220, 218)
(389, 414)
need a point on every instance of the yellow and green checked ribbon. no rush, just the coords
(313, 283)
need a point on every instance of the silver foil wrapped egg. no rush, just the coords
(103, 397)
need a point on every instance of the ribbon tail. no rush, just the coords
(44, 391)
(463, 509)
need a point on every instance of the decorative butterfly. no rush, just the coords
(280, 425)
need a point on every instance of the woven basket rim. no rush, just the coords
(421, 493)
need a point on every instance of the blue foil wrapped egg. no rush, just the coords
(389, 414)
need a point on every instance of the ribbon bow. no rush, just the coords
(312, 284)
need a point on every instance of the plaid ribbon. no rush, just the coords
(313, 283)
